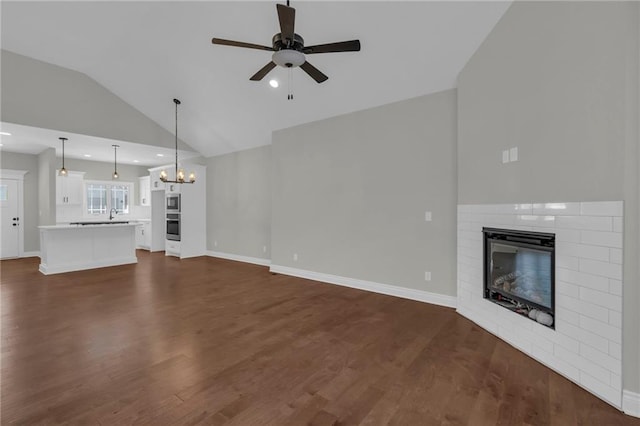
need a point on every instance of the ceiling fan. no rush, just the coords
(289, 49)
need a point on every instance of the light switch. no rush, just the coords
(513, 154)
(505, 156)
(427, 276)
(427, 216)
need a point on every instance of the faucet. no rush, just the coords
(112, 212)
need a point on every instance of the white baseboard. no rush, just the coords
(391, 290)
(631, 403)
(239, 258)
(31, 254)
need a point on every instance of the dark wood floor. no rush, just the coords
(209, 341)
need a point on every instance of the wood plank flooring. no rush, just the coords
(209, 341)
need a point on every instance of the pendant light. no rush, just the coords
(179, 172)
(115, 175)
(63, 172)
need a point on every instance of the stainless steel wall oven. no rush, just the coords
(173, 226)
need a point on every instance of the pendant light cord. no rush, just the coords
(177, 102)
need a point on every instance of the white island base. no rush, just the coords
(66, 248)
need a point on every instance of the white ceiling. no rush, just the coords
(147, 53)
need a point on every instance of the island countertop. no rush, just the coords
(66, 247)
(80, 225)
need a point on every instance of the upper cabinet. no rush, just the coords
(156, 183)
(69, 189)
(145, 191)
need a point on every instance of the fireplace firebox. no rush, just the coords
(519, 272)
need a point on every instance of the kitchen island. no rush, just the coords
(86, 245)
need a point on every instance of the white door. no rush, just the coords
(10, 222)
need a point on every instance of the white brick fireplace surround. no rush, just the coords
(586, 345)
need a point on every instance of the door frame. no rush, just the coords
(18, 175)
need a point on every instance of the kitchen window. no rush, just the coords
(101, 197)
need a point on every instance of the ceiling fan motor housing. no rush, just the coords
(279, 44)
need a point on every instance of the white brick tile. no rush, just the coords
(556, 209)
(615, 287)
(515, 339)
(616, 381)
(568, 262)
(538, 339)
(593, 369)
(602, 329)
(603, 269)
(583, 308)
(601, 208)
(615, 350)
(600, 238)
(615, 319)
(565, 355)
(568, 343)
(607, 300)
(568, 235)
(558, 338)
(464, 208)
(570, 317)
(601, 359)
(618, 224)
(583, 336)
(571, 290)
(524, 208)
(583, 251)
(552, 361)
(615, 256)
(586, 223)
(582, 279)
(614, 396)
(535, 220)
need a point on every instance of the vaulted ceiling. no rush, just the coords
(148, 53)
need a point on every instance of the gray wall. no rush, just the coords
(39, 94)
(239, 203)
(47, 187)
(559, 80)
(350, 194)
(29, 222)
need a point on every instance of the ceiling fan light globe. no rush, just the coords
(288, 58)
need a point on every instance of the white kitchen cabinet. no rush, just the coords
(155, 182)
(70, 188)
(174, 188)
(143, 235)
(139, 236)
(145, 190)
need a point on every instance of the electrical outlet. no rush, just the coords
(215, 243)
(505, 156)
(427, 216)
(513, 154)
(427, 275)
(264, 249)
(295, 257)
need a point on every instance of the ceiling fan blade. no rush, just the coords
(341, 46)
(314, 72)
(263, 71)
(287, 17)
(240, 44)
